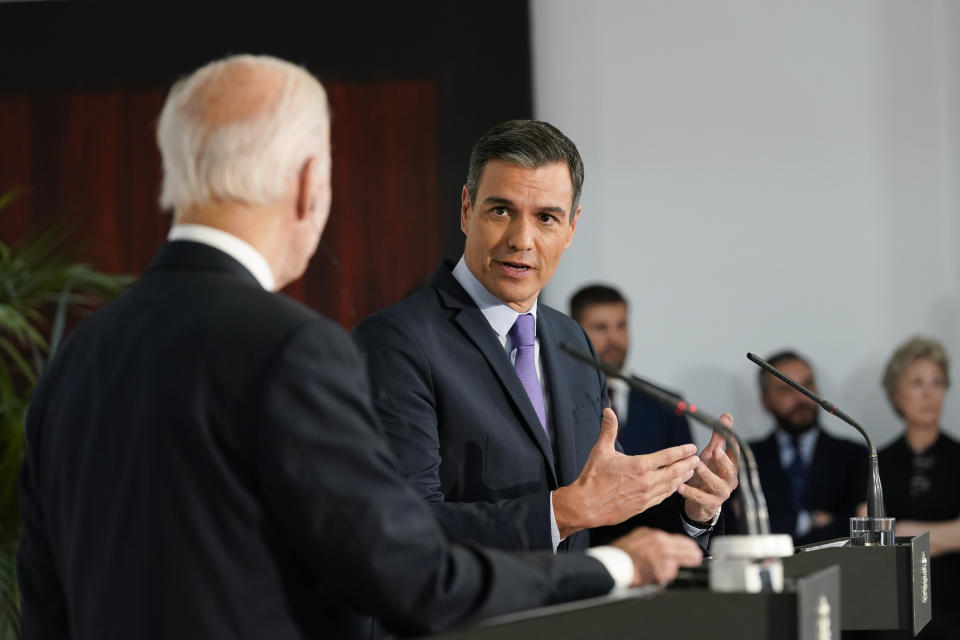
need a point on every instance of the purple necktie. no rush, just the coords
(522, 333)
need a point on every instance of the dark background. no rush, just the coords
(411, 86)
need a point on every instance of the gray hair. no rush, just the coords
(529, 144)
(916, 348)
(224, 135)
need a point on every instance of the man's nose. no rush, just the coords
(520, 233)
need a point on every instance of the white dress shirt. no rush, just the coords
(621, 398)
(501, 317)
(239, 250)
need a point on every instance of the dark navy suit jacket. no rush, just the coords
(203, 461)
(836, 483)
(460, 423)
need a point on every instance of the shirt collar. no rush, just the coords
(618, 385)
(807, 441)
(231, 245)
(499, 314)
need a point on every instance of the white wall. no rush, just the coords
(763, 174)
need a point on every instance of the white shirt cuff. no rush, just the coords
(618, 564)
(804, 523)
(554, 529)
(696, 532)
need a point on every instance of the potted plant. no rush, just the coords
(40, 291)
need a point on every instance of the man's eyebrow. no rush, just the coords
(553, 209)
(506, 202)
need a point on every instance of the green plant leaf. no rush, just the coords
(18, 360)
(60, 318)
(40, 288)
(18, 324)
(8, 197)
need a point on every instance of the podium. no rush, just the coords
(881, 587)
(807, 609)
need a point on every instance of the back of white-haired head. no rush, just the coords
(240, 130)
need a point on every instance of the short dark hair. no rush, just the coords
(775, 359)
(528, 144)
(591, 295)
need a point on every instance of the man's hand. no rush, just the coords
(613, 487)
(658, 555)
(716, 477)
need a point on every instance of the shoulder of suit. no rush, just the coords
(949, 443)
(559, 321)
(420, 306)
(246, 314)
(253, 305)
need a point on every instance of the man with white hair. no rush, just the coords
(202, 457)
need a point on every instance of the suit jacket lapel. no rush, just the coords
(476, 328)
(561, 415)
(769, 449)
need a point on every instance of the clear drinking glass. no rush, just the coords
(868, 532)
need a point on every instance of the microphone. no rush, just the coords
(755, 516)
(874, 489)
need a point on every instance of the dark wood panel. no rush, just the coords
(15, 162)
(412, 86)
(384, 227)
(90, 156)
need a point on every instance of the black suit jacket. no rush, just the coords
(203, 462)
(836, 484)
(461, 424)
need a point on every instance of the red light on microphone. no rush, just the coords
(693, 408)
(680, 407)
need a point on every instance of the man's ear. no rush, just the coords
(465, 207)
(573, 227)
(306, 198)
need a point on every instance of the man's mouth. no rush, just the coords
(515, 266)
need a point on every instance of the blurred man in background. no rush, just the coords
(813, 481)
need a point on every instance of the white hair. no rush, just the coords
(250, 149)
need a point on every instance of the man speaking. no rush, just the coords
(202, 457)
(491, 422)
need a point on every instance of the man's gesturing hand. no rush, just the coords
(658, 555)
(613, 487)
(716, 478)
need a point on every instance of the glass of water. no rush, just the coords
(868, 532)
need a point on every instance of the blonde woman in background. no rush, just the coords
(921, 472)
